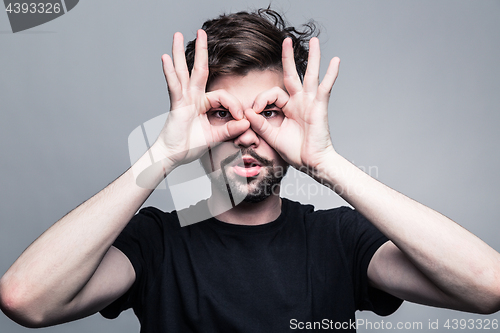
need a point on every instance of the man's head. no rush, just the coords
(243, 41)
(245, 59)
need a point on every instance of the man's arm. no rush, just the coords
(434, 261)
(431, 259)
(71, 270)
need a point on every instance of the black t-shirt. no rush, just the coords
(306, 266)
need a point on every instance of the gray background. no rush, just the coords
(416, 102)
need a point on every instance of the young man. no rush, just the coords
(248, 104)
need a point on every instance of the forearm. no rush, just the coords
(456, 261)
(54, 268)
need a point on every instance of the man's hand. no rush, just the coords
(187, 133)
(303, 139)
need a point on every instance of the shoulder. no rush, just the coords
(341, 214)
(171, 223)
(151, 222)
(155, 215)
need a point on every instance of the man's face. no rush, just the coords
(247, 163)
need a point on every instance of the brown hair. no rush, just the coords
(243, 41)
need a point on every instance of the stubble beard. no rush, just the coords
(254, 189)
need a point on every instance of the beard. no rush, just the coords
(248, 189)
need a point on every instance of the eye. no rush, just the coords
(273, 115)
(268, 113)
(221, 113)
(219, 116)
(271, 111)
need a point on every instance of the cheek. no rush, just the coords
(279, 162)
(281, 166)
(205, 163)
(269, 153)
(216, 154)
(281, 170)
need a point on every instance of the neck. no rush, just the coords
(248, 213)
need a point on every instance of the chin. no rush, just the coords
(252, 198)
(258, 190)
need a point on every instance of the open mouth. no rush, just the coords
(247, 167)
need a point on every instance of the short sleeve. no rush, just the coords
(142, 242)
(361, 240)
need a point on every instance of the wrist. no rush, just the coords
(318, 165)
(324, 170)
(158, 153)
(152, 167)
(340, 175)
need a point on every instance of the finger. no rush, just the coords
(311, 78)
(229, 130)
(173, 84)
(200, 68)
(276, 96)
(262, 127)
(290, 76)
(179, 58)
(325, 87)
(221, 97)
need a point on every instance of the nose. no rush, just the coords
(247, 139)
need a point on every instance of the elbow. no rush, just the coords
(490, 302)
(495, 291)
(494, 304)
(17, 307)
(489, 307)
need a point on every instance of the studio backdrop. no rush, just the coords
(416, 106)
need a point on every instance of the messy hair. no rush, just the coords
(243, 41)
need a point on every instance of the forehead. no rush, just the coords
(246, 87)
